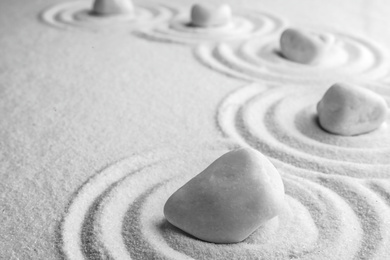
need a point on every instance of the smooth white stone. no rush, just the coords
(230, 199)
(210, 16)
(305, 47)
(351, 110)
(112, 7)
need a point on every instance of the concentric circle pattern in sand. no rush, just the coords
(243, 24)
(281, 122)
(260, 59)
(78, 14)
(118, 214)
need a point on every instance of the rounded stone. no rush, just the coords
(210, 16)
(348, 110)
(305, 47)
(112, 7)
(230, 199)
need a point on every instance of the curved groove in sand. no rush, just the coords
(82, 210)
(281, 122)
(78, 14)
(244, 24)
(259, 59)
(118, 214)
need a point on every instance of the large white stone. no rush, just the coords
(305, 47)
(230, 199)
(112, 7)
(210, 16)
(351, 110)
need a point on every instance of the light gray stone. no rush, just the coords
(112, 7)
(346, 109)
(230, 199)
(305, 47)
(210, 16)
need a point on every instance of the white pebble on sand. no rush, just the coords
(210, 16)
(305, 47)
(230, 199)
(112, 7)
(351, 110)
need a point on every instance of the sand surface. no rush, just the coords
(101, 120)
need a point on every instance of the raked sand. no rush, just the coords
(101, 120)
(117, 214)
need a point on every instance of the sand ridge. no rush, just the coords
(244, 24)
(118, 214)
(259, 59)
(77, 14)
(281, 121)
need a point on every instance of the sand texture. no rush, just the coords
(117, 214)
(103, 118)
(281, 121)
(259, 59)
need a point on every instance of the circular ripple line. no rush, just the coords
(368, 208)
(255, 246)
(320, 196)
(116, 204)
(243, 25)
(115, 208)
(260, 59)
(78, 14)
(281, 122)
(90, 195)
(126, 202)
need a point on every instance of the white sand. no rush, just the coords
(281, 121)
(260, 59)
(81, 97)
(118, 215)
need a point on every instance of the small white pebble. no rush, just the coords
(305, 47)
(112, 7)
(230, 199)
(351, 110)
(210, 16)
